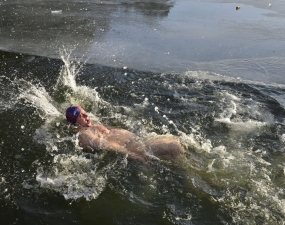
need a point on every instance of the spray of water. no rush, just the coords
(230, 171)
(73, 175)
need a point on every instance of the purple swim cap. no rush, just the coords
(72, 113)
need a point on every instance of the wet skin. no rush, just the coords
(99, 137)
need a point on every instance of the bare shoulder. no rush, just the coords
(88, 139)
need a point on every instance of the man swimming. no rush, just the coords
(98, 137)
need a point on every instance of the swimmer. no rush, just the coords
(99, 137)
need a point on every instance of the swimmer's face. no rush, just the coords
(83, 119)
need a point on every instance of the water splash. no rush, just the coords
(38, 98)
(74, 177)
(67, 92)
(223, 161)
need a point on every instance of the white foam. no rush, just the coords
(40, 99)
(74, 177)
(248, 125)
(56, 11)
(235, 107)
(195, 141)
(231, 96)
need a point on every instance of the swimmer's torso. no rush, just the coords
(122, 137)
(98, 137)
(95, 138)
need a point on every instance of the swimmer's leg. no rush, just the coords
(165, 148)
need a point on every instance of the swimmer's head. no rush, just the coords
(72, 113)
(77, 115)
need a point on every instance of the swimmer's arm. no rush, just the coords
(89, 142)
(118, 148)
(111, 146)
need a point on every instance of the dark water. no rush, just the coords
(232, 128)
